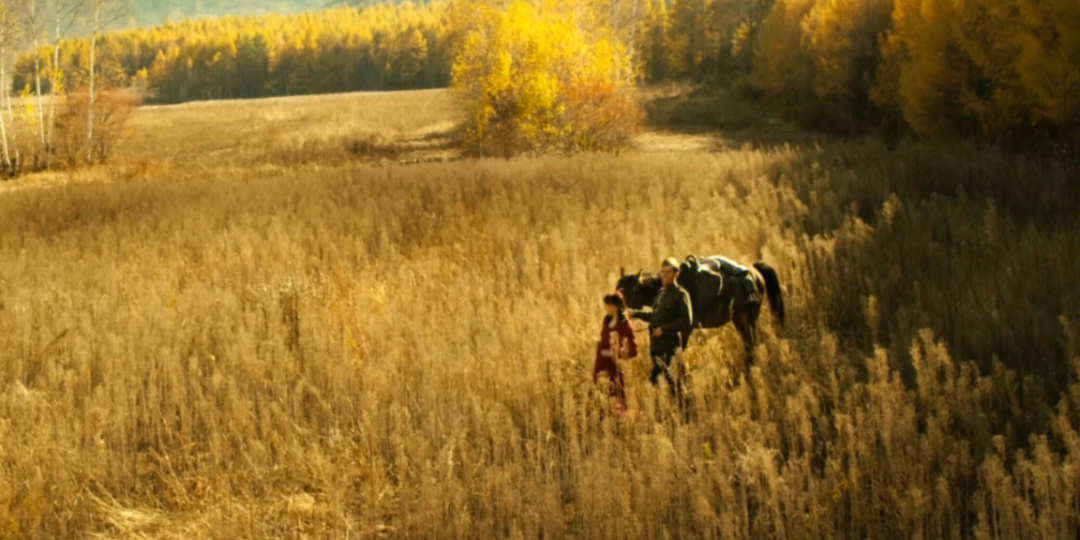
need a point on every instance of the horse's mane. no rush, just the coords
(641, 288)
(651, 281)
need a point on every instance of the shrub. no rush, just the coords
(75, 143)
(541, 79)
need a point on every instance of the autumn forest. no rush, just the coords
(1000, 70)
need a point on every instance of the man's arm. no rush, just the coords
(642, 315)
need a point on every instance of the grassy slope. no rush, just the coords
(251, 332)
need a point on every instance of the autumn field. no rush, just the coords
(312, 318)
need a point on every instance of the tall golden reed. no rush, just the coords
(233, 350)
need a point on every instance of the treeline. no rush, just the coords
(384, 47)
(1005, 70)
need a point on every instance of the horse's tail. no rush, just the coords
(772, 288)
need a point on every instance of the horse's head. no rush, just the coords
(638, 290)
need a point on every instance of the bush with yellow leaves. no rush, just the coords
(542, 78)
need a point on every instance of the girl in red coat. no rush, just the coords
(617, 343)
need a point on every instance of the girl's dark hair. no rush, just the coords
(617, 301)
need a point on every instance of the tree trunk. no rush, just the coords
(15, 161)
(4, 148)
(90, 102)
(54, 76)
(3, 121)
(43, 148)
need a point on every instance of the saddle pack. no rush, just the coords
(705, 280)
(702, 283)
(728, 267)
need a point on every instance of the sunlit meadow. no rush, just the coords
(301, 336)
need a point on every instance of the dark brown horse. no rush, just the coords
(641, 289)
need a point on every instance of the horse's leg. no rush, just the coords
(746, 323)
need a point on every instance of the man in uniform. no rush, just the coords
(669, 318)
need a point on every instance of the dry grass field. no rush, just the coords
(292, 319)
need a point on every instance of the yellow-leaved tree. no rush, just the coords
(1006, 70)
(936, 56)
(782, 66)
(1047, 66)
(822, 56)
(843, 37)
(542, 77)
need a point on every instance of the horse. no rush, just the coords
(641, 289)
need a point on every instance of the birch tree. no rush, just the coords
(35, 28)
(63, 14)
(102, 14)
(9, 35)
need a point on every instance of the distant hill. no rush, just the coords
(142, 13)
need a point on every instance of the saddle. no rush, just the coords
(704, 280)
(702, 283)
